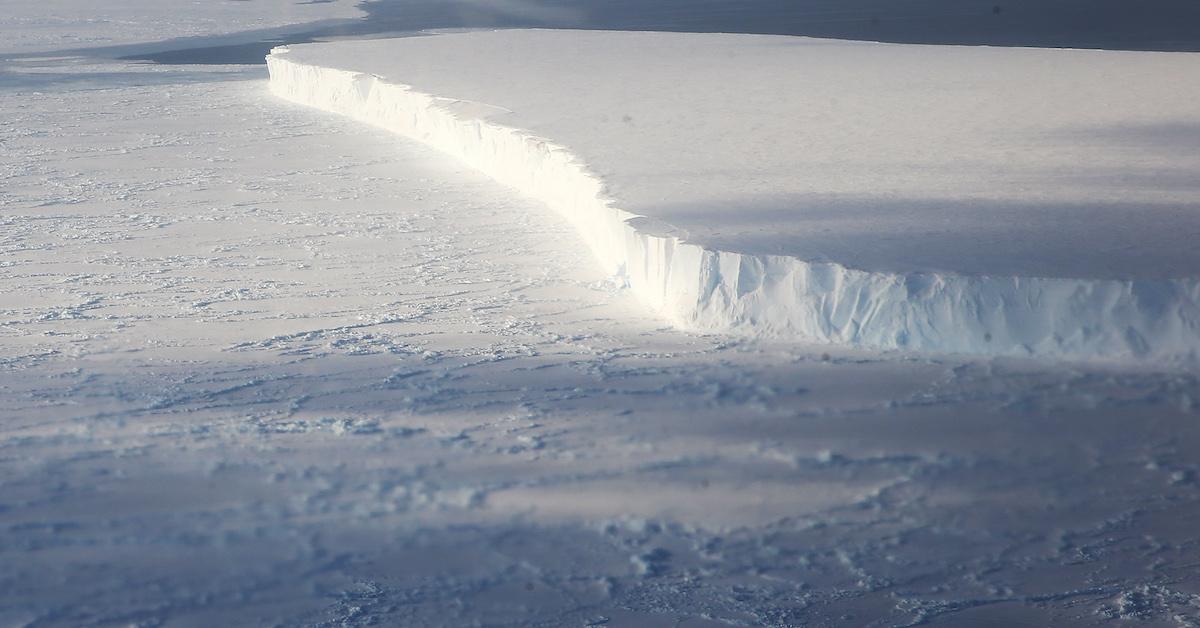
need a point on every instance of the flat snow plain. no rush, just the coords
(983, 200)
(260, 365)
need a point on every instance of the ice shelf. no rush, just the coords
(924, 198)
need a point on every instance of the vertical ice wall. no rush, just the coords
(779, 295)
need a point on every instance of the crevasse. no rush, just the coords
(698, 288)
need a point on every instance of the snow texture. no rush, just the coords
(262, 365)
(684, 223)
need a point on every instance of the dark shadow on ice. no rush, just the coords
(1181, 137)
(839, 487)
(1146, 25)
(257, 37)
(1118, 239)
(962, 236)
(83, 80)
(1103, 24)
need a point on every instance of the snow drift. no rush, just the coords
(702, 287)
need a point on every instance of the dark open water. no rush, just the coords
(1111, 24)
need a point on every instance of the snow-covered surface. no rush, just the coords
(57, 26)
(999, 201)
(263, 365)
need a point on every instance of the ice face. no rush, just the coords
(957, 287)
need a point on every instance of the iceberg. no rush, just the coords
(905, 197)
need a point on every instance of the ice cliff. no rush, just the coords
(701, 288)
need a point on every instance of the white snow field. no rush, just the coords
(261, 365)
(977, 200)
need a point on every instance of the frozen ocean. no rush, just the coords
(599, 313)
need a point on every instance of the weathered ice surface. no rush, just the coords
(998, 201)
